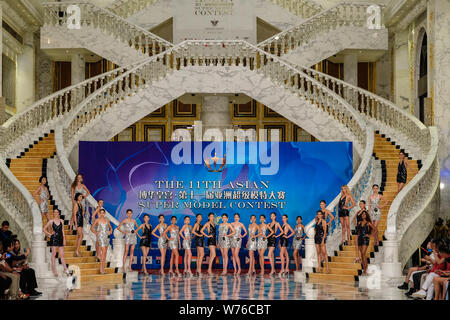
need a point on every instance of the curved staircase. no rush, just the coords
(342, 266)
(28, 167)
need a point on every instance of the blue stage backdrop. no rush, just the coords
(145, 177)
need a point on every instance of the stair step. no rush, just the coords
(332, 277)
(338, 271)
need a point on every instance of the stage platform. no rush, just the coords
(217, 287)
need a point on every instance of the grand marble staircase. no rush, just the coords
(299, 94)
(101, 32)
(342, 267)
(28, 167)
(323, 34)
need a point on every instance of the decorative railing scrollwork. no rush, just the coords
(301, 8)
(342, 15)
(55, 14)
(17, 132)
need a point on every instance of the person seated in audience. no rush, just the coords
(414, 270)
(14, 276)
(441, 282)
(5, 233)
(28, 283)
(427, 289)
(5, 281)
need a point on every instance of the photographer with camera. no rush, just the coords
(8, 272)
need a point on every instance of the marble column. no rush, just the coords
(78, 68)
(351, 69)
(438, 15)
(26, 70)
(215, 117)
(402, 83)
(2, 106)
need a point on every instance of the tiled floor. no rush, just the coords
(156, 287)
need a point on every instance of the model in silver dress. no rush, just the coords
(103, 234)
(297, 242)
(262, 242)
(236, 240)
(173, 242)
(162, 241)
(375, 214)
(187, 237)
(130, 235)
(224, 240)
(252, 241)
(43, 196)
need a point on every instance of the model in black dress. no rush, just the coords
(346, 203)
(212, 239)
(356, 219)
(284, 242)
(402, 173)
(319, 239)
(54, 229)
(146, 240)
(199, 242)
(272, 240)
(77, 220)
(363, 230)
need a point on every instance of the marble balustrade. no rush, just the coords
(350, 15)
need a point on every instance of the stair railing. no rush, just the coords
(55, 14)
(342, 15)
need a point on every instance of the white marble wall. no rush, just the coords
(92, 39)
(162, 10)
(217, 80)
(45, 86)
(383, 76)
(216, 114)
(402, 82)
(78, 68)
(25, 80)
(351, 68)
(439, 29)
(330, 43)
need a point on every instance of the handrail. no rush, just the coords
(21, 201)
(301, 8)
(342, 14)
(126, 8)
(374, 107)
(91, 15)
(52, 107)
